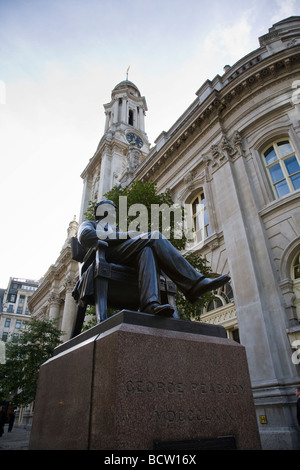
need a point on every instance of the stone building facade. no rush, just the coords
(53, 299)
(237, 149)
(234, 158)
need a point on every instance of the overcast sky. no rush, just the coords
(60, 60)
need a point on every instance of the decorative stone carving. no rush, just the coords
(133, 157)
(69, 283)
(43, 312)
(54, 299)
(189, 177)
(228, 149)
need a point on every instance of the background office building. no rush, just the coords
(14, 313)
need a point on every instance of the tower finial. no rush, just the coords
(127, 72)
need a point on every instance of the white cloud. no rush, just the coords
(285, 9)
(228, 43)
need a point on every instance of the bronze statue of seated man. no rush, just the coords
(149, 253)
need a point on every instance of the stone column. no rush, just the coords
(107, 119)
(141, 119)
(115, 111)
(105, 174)
(85, 198)
(124, 110)
(54, 301)
(261, 316)
(69, 309)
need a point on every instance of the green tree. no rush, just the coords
(146, 194)
(19, 375)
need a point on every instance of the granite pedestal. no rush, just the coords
(137, 381)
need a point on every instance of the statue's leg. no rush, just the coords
(191, 282)
(149, 274)
(101, 289)
(176, 267)
(148, 278)
(137, 252)
(165, 255)
(79, 318)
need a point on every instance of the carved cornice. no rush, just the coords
(226, 150)
(218, 104)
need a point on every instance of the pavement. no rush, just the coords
(17, 439)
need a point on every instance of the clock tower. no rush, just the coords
(123, 146)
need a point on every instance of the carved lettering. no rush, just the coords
(159, 388)
(203, 416)
(178, 388)
(217, 389)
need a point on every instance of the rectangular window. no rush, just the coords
(7, 323)
(283, 167)
(4, 336)
(131, 117)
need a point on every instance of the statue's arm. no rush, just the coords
(87, 235)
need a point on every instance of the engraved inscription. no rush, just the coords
(203, 416)
(219, 389)
(146, 386)
(191, 392)
(179, 388)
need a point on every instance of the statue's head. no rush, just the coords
(107, 207)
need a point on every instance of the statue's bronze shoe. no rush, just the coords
(165, 310)
(205, 285)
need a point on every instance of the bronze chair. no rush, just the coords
(108, 285)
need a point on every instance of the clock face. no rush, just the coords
(134, 139)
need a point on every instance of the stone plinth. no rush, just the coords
(137, 381)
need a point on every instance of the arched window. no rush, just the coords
(130, 117)
(223, 296)
(200, 217)
(283, 167)
(214, 304)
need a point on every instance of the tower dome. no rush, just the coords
(126, 84)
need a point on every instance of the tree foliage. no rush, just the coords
(19, 375)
